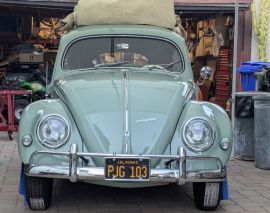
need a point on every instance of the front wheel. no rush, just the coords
(38, 192)
(207, 195)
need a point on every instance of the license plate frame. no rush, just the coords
(122, 161)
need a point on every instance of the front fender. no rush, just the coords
(223, 129)
(28, 126)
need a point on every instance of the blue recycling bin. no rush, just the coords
(256, 63)
(247, 70)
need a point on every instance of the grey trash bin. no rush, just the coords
(244, 125)
(262, 131)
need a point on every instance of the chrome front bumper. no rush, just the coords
(76, 173)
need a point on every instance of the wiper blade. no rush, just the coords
(153, 66)
(173, 63)
(112, 64)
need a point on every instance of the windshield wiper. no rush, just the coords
(173, 63)
(112, 64)
(153, 66)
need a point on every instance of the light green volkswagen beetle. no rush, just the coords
(122, 112)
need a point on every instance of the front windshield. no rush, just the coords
(122, 52)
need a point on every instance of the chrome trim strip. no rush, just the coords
(75, 173)
(162, 157)
(126, 139)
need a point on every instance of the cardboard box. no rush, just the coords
(31, 58)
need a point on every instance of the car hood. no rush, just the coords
(121, 111)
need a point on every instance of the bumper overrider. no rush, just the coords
(75, 173)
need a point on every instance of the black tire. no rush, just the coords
(207, 196)
(19, 105)
(38, 192)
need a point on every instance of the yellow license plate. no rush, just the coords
(127, 169)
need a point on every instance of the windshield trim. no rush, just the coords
(115, 36)
(114, 69)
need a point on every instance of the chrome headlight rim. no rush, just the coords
(47, 144)
(209, 124)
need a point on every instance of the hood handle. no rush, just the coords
(46, 81)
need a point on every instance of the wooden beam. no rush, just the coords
(247, 36)
(212, 1)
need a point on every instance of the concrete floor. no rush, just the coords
(249, 191)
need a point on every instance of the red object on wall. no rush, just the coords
(7, 101)
(200, 95)
(223, 89)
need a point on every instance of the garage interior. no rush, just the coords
(29, 40)
(210, 42)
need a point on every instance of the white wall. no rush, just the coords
(254, 42)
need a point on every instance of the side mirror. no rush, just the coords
(205, 73)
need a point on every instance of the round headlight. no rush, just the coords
(198, 135)
(53, 131)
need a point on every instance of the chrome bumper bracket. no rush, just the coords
(182, 166)
(73, 177)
